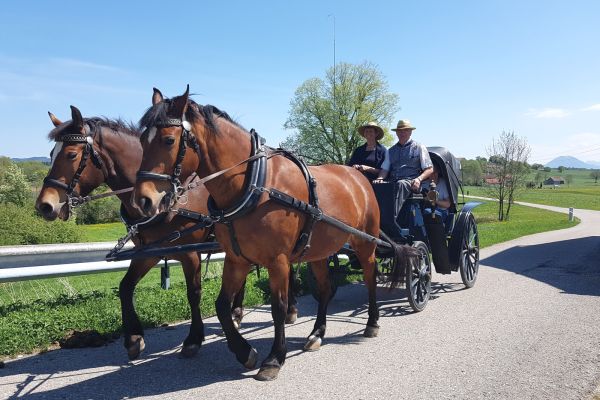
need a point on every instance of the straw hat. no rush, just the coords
(403, 124)
(373, 125)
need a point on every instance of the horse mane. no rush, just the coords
(96, 124)
(158, 115)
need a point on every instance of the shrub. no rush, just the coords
(21, 225)
(99, 211)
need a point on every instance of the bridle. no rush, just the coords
(73, 197)
(187, 139)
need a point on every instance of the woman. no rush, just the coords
(369, 157)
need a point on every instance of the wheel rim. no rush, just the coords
(420, 280)
(470, 252)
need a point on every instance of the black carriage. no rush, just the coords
(450, 243)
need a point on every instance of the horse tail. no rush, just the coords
(403, 259)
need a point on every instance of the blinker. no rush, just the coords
(186, 125)
(89, 139)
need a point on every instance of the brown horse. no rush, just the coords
(268, 233)
(116, 153)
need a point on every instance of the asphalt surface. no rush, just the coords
(529, 329)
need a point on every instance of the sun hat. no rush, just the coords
(403, 124)
(373, 125)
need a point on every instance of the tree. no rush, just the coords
(537, 167)
(508, 164)
(327, 113)
(472, 173)
(561, 169)
(14, 187)
(540, 177)
(595, 174)
(569, 179)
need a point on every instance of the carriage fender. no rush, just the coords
(458, 232)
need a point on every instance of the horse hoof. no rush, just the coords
(371, 331)
(237, 323)
(190, 350)
(267, 373)
(136, 348)
(291, 318)
(252, 358)
(313, 343)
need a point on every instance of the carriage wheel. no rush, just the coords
(334, 270)
(418, 279)
(469, 253)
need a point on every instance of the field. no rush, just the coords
(582, 192)
(34, 315)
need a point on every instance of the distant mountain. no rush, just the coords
(596, 164)
(570, 162)
(45, 160)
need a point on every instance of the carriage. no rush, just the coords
(451, 242)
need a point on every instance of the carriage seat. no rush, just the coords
(398, 220)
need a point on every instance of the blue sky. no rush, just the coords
(464, 70)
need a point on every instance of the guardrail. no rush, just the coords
(19, 263)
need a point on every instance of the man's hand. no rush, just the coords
(358, 167)
(415, 185)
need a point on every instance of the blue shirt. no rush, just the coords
(406, 161)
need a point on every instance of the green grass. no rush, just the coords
(35, 314)
(103, 232)
(583, 196)
(523, 221)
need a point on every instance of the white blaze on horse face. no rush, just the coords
(57, 148)
(151, 134)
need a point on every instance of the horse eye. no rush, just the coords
(72, 155)
(169, 140)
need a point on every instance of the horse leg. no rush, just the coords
(292, 310)
(278, 282)
(321, 272)
(234, 275)
(365, 253)
(191, 269)
(132, 327)
(237, 309)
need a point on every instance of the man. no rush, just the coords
(408, 164)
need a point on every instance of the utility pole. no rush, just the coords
(334, 74)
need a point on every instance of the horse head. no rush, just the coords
(70, 176)
(166, 163)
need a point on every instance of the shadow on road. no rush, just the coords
(105, 372)
(570, 265)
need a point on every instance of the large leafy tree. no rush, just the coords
(326, 113)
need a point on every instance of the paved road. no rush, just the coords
(529, 329)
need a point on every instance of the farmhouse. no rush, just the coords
(555, 180)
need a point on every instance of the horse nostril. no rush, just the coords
(45, 208)
(145, 204)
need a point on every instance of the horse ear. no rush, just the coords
(55, 121)
(157, 96)
(76, 118)
(180, 103)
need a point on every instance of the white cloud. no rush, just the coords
(79, 64)
(548, 113)
(595, 107)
